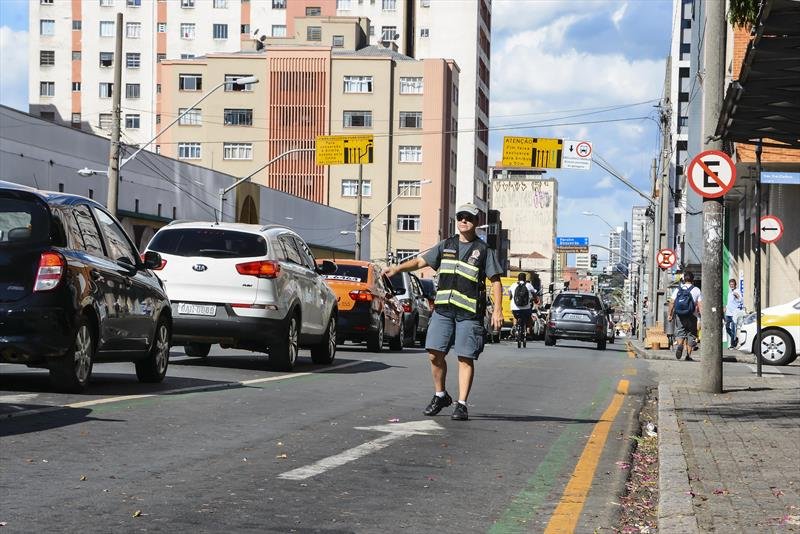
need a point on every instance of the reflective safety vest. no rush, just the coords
(461, 291)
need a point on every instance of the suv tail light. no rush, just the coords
(362, 295)
(406, 305)
(163, 263)
(51, 270)
(260, 269)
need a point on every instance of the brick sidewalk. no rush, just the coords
(728, 462)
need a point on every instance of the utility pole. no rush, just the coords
(113, 155)
(655, 231)
(359, 226)
(713, 224)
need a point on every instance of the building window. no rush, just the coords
(424, 32)
(371, 30)
(187, 4)
(106, 89)
(104, 121)
(133, 60)
(76, 55)
(358, 84)
(220, 31)
(388, 33)
(189, 151)
(408, 223)
(132, 90)
(161, 27)
(187, 56)
(190, 82)
(46, 2)
(47, 88)
(278, 30)
(343, 5)
(76, 25)
(409, 188)
(132, 121)
(389, 5)
(411, 85)
(354, 119)
(231, 86)
(106, 59)
(245, 29)
(47, 58)
(47, 27)
(278, 4)
(133, 30)
(237, 151)
(106, 28)
(220, 4)
(106, 3)
(238, 117)
(187, 30)
(134, 3)
(314, 33)
(160, 57)
(158, 118)
(404, 254)
(350, 188)
(313, 11)
(193, 117)
(410, 119)
(410, 154)
(76, 86)
(338, 41)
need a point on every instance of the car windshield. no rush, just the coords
(348, 273)
(577, 302)
(398, 282)
(209, 242)
(22, 221)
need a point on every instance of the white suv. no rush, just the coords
(246, 286)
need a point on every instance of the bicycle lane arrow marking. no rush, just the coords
(395, 432)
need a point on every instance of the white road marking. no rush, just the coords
(18, 399)
(395, 432)
(766, 370)
(223, 385)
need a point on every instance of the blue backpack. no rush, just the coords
(684, 303)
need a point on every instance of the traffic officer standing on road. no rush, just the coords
(463, 262)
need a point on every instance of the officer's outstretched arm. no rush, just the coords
(409, 265)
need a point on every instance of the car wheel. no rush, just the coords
(601, 344)
(548, 339)
(72, 371)
(283, 354)
(326, 350)
(396, 343)
(197, 350)
(776, 348)
(153, 368)
(375, 339)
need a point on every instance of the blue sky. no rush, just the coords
(553, 62)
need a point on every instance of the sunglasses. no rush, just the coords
(465, 217)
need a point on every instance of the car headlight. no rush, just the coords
(749, 319)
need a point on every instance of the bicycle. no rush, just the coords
(520, 334)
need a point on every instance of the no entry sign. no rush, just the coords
(665, 258)
(711, 174)
(771, 229)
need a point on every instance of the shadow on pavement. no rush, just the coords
(48, 421)
(527, 418)
(780, 414)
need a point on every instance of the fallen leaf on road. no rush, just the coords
(691, 493)
(623, 465)
(3, 523)
(394, 420)
(280, 444)
(791, 520)
(721, 492)
(244, 459)
(776, 491)
(83, 477)
(282, 456)
(137, 513)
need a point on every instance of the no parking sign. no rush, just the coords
(711, 174)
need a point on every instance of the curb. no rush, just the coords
(675, 509)
(648, 354)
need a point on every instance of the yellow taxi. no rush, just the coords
(780, 333)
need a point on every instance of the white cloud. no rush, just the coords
(14, 68)
(606, 182)
(619, 14)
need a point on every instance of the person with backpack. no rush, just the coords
(520, 296)
(685, 306)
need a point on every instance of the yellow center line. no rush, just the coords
(566, 515)
(629, 371)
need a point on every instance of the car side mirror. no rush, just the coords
(151, 259)
(327, 267)
(400, 291)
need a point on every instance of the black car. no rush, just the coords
(576, 315)
(416, 308)
(74, 291)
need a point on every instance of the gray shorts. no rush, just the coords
(445, 333)
(686, 328)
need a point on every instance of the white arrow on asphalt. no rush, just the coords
(395, 432)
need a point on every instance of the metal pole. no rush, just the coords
(757, 284)
(113, 155)
(711, 312)
(358, 211)
(651, 284)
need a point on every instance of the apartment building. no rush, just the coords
(306, 89)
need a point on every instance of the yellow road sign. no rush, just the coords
(344, 149)
(538, 152)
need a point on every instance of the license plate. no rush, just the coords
(184, 308)
(575, 317)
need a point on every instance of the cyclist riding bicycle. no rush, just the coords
(521, 294)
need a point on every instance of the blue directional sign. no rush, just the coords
(572, 244)
(770, 177)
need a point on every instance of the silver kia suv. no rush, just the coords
(246, 286)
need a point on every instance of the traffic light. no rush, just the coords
(593, 261)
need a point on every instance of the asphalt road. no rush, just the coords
(225, 444)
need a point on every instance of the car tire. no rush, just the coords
(601, 344)
(283, 354)
(71, 372)
(197, 350)
(397, 343)
(325, 351)
(548, 339)
(375, 339)
(153, 367)
(776, 348)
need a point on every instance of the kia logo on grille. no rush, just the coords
(199, 267)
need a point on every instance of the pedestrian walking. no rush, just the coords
(463, 262)
(732, 309)
(685, 305)
(520, 295)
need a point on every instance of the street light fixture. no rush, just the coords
(592, 214)
(86, 171)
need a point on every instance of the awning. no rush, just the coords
(764, 103)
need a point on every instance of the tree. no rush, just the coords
(743, 12)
